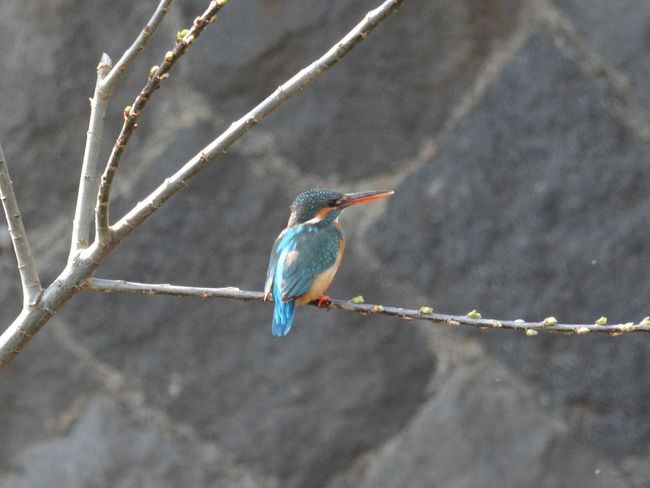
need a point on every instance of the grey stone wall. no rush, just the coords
(517, 137)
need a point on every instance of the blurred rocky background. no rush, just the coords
(516, 134)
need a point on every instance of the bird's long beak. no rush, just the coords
(350, 199)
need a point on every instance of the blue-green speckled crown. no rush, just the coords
(305, 206)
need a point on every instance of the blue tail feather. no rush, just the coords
(282, 316)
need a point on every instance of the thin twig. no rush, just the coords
(127, 287)
(26, 266)
(121, 286)
(132, 113)
(216, 148)
(89, 181)
(138, 45)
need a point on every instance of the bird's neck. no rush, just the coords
(324, 219)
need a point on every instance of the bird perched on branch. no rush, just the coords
(307, 254)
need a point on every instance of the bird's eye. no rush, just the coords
(333, 203)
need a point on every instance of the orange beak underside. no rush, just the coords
(350, 199)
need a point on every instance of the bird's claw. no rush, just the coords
(322, 301)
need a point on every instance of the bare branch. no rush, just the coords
(108, 77)
(129, 287)
(86, 261)
(89, 181)
(216, 148)
(30, 320)
(547, 325)
(138, 45)
(132, 113)
(26, 266)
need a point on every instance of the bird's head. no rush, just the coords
(321, 205)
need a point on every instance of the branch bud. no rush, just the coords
(357, 299)
(531, 332)
(550, 321)
(180, 35)
(474, 315)
(629, 327)
(645, 321)
(425, 310)
(582, 330)
(602, 321)
(153, 70)
(169, 56)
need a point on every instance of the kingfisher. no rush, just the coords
(307, 254)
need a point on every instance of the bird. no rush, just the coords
(308, 252)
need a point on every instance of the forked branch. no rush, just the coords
(108, 77)
(82, 265)
(132, 113)
(27, 268)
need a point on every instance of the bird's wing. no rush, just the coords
(316, 250)
(273, 262)
(300, 256)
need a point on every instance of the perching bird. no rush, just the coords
(307, 254)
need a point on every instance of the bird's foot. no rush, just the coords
(322, 301)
